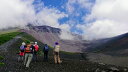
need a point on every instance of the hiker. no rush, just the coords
(21, 54)
(56, 53)
(35, 51)
(28, 54)
(45, 50)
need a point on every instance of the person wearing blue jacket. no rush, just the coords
(45, 50)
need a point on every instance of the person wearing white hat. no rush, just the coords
(35, 52)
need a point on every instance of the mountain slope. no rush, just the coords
(71, 61)
(50, 35)
(116, 45)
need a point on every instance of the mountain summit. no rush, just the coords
(47, 29)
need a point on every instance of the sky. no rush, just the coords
(93, 19)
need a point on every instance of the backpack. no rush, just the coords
(36, 47)
(28, 49)
(46, 48)
(21, 53)
(22, 47)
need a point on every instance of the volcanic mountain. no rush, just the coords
(50, 35)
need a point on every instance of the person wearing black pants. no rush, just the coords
(45, 50)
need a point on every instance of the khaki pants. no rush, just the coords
(28, 59)
(57, 57)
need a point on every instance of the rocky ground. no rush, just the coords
(72, 62)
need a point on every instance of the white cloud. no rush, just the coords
(111, 18)
(15, 13)
(49, 17)
(71, 5)
(65, 27)
(66, 35)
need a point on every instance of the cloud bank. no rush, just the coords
(21, 12)
(108, 18)
(14, 13)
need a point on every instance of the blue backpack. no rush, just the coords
(22, 47)
(46, 48)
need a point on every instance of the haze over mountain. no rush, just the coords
(116, 45)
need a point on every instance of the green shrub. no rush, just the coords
(1, 63)
(1, 57)
(40, 52)
(27, 42)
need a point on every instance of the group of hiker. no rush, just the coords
(28, 52)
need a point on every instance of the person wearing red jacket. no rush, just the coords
(35, 52)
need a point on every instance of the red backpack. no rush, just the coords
(28, 49)
(36, 47)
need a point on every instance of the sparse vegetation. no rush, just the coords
(1, 57)
(8, 31)
(8, 36)
(69, 53)
(1, 63)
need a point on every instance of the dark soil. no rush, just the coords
(71, 62)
